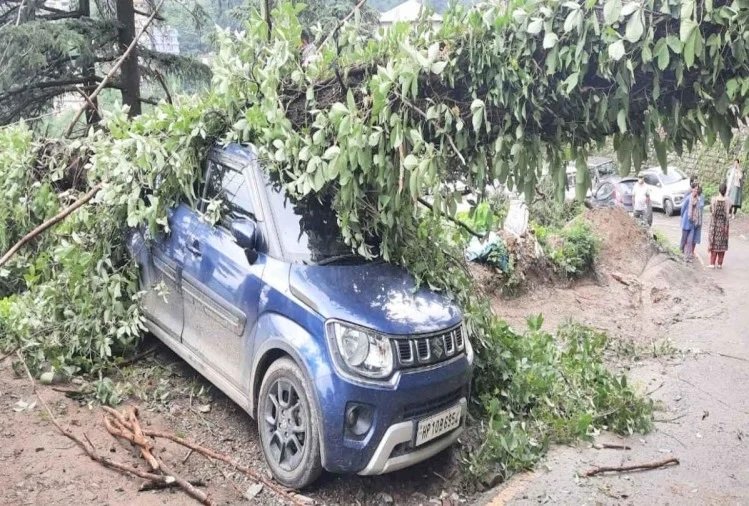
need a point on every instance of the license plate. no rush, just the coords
(436, 425)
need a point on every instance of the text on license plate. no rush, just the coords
(436, 425)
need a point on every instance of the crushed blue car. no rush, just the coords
(344, 362)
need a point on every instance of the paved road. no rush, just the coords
(704, 404)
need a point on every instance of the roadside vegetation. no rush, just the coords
(373, 134)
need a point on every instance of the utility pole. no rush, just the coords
(129, 72)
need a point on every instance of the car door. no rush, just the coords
(221, 282)
(160, 273)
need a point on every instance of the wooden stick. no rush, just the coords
(114, 69)
(281, 491)
(152, 485)
(50, 223)
(636, 467)
(131, 414)
(610, 446)
(185, 485)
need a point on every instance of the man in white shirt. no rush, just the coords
(640, 198)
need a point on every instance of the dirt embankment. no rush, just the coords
(636, 292)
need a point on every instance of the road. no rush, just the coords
(702, 400)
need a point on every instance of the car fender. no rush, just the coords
(276, 333)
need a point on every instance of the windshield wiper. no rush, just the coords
(337, 258)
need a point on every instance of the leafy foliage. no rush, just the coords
(555, 390)
(576, 249)
(500, 92)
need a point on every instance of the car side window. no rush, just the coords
(230, 186)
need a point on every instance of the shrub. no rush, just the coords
(576, 252)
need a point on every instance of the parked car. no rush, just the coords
(617, 192)
(601, 169)
(343, 362)
(667, 189)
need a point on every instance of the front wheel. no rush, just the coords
(668, 207)
(288, 426)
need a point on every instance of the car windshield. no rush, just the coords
(672, 176)
(307, 228)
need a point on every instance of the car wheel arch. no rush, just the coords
(270, 351)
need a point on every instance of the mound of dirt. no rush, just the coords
(626, 246)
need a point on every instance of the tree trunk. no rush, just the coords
(89, 69)
(129, 73)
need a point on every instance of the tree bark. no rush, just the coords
(129, 72)
(89, 70)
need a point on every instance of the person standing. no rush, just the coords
(735, 184)
(695, 217)
(686, 223)
(720, 208)
(640, 199)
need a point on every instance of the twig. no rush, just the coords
(226, 477)
(733, 357)
(647, 394)
(150, 485)
(114, 69)
(187, 456)
(88, 451)
(50, 223)
(636, 467)
(88, 100)
(341, 22)
(185, 485)
(454, 220)
(286, 494)
(138, 357)
(610, 446)
(12, 352)
(670, 420)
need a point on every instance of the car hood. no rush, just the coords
(375, 295)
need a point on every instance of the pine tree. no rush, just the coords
(49, 51)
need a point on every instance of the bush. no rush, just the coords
(551, 212)
(577, 249)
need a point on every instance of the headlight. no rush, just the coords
(361, 351)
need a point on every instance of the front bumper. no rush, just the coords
(401, 433)
(390, 442)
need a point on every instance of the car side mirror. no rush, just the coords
(244, 231)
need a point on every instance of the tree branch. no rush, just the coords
(454, 220)
(50, 223)
(114, 69)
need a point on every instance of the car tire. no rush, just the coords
(288, 425)
(668, 207)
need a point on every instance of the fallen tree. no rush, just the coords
(504, 93)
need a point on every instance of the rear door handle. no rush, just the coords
(193, 246)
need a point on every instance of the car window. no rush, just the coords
(230, 186)
(651, 179)
(673, 176)
(606, 169)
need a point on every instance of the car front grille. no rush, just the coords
(435, 405)
(430, 349)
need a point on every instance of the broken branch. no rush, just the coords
(636, 467)
(207, 452)
(50, 223)
(610, 446)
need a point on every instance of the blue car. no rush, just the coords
(343, 362)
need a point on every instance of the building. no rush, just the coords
(409, 11)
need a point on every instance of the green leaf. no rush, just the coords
(572, 21)
(630, 8)
(550, 40)
(438, 67)
(477, 109)
(611, 11)
(621, 119)
(616, 50)
(685, 30)
(689, 48)
(331, 153)
(535, 26)
(662, 53)
(635, 27)
(571, 82)
(410, 162)
(661, 152)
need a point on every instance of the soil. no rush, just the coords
(636, 293)
(39, 465)
(702, 405)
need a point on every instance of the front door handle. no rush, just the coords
(193, 246)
